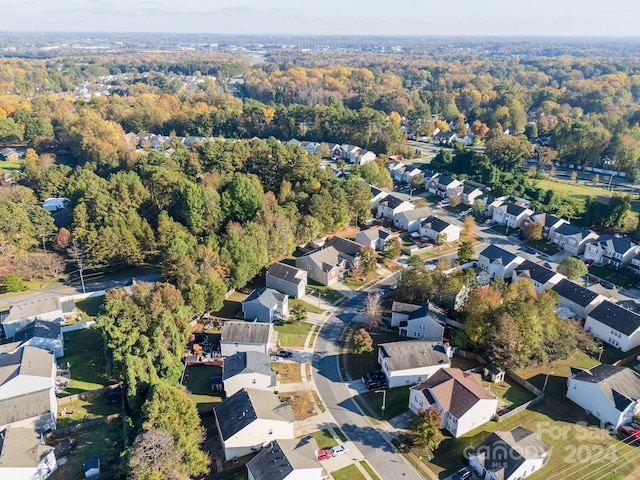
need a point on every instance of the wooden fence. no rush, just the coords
(527, 385)
(63, 432)
(87, 395)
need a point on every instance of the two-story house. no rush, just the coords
(329, 263)
(511, 214)
(247, 369)
(265, 305)
(22, 314)
(541, 277)
(375, 237)
(287, 279)
(425, 321)
(287, 460)
(572, 239)
(246, 337)
(411, 219)
(25, 456)
(576, 298)
(463, 402)
(410, 362)
(611, 250)
(498, 262)
(548, 221)
(438, 230)
(444, 186)
(470, 193)
(392, 205)
(615, 325)
(634, 265)
(377, 194)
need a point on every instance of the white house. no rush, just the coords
(410, 362)
(511, 455)
(409, 175)
(250, 419)
(497, 262)
(541, 277)
(634, 265)
(41, 334)
(463, 402)
(470, 193)
(375, 237)
(578, 299)
(246, 337)
(27, 389)
(572, 239)
(287, 279)
(443, 186)
(287, 460)
(247, 370)
(362, 156)
(22, 314)
(511, 214)
(425, 321)
(265, 305)
(611, 250)
(615, 325)
(377, 194)
(436, 229)
(611, 394)
(396, 169)
(23, 455)
(549, 223)
(411, 219)
(392, 205)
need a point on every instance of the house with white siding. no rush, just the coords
(548, 221)
(576, 298)
(41, 334)
(246, 337)
(463, 402)
(24, 456)
(443, 186)
(616, 325)
(435, 229)
(470, 193)
(541, 277)
(511, 214)
(572, 239)
(611, 394)
(411, 362)
(498, 262)
(375, 237)
(287, 279)
(425, 321)
(248, 370)
(411, 219)
(22, 314)
(287, 460)
(392, 205)
(611, 250)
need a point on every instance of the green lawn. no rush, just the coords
(357, 283)
(232, 307)
(199, 386)
(11, 166)
(510, 392)
(243, 475)
(86, 410)
(622, 278)
(503, 230)
(369, 470)
(102, 441)
(85, 354)
(309, 307)
(358, 365)
(324, 439)
(290, 335)
(350, 472)
(327, 294)
(90, 306)
(397, 402)
(542, 246)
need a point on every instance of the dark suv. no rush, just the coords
(462, 474)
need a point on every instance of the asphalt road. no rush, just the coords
(382, 456)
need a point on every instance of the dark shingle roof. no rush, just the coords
(392, 201)
(246, 332)
(344, 245)
(569, 229)
(246, 362)
(435, 224)
(574, 292)
(620, 384)
(281, 457)
(546, 219)
(446, 181)
(413, 354)
(266, 296)
(286, 272)
(619, 318)
(513, 209)
(21, 448)
(39, 329)
(493, 253)
(535, 272)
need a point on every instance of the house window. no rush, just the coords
(422, 326)
(253, 380)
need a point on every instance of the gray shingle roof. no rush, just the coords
(29, 361)
(546, 219)
(494, 253)
(513, 209)
(535, 272)
(620, 384)
(21, 448)
(266, 296)
(413, 354)
(281, 457)
(435, 224)
(569, 229)
(619, 318)
(344, 245)
(246, 332)
(31, 405)
(32, 308)
(247, 362)
(574, 292)
(416, 214)
(38, 329)
(287, 273)
(392, 201)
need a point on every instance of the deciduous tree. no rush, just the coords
(572, 268)
(362, 342)
(425, 429)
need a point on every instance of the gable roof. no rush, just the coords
(416, 214)
(498, 255)
(281, 457)
(246, 332)
(31, 405)
(546, 219)
(266, 296)
(247, 405)
(504, 452)
(21, 448)
(445, 180)
(376, 233)
(574, 292)
(413, 354)
(456, 391)
(287, 273)
(620, 384)
(28, 361)
(38, 329)
(569, 229)
(247, 362)
(435, 224)
(467, 189)
(32, 308)
(514, 209)
(535, 272)
(392, 201)
(619, 318)
(344, 245)
(615, 244)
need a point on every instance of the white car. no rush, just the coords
(277, 359)
(339, 450)
(429, 266)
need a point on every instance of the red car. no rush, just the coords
(323, 454)
(630, 431)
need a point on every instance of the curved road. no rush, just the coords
(382, 456)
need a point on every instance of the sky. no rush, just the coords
(612, 18)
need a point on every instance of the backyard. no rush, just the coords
(232, 307)
(622, 278)
(198, 383)
(287, 372)
(81, 410)
(291, 335)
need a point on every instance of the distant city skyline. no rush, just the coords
(584, 18)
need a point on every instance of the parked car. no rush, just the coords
(629, 431)
(285, 354)
(608, 285)
(339, 450)
(429, 266)
(376, 385)
(324, 454)
(488, 221)
(277, 359)
(462, 474)
(379, 375)
(530, 250)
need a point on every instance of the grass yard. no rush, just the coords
(199, 386)
(358, 365)
(232, 307)
(302, 403)
(85, 355)
(397, 402)
(464, 363)
(327, 294)
(86, 410)
(358, 282)
(542, 246)
(509, 392)
(369, 470)
(243, 475)
(287, 372)
(622, 278)
(503, 230)
(324, 439)
(340, 435)
(11, 166)
(90, 307)
(350, 472)
(309, 307)
(290, 335)
(102, 441)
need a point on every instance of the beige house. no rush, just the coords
(247, 370)
(246, 337)
(329, 263)
(24, 456)
(250, 419)
(410, 362)
(425, 322)
(572, 239)
(287, 460)
(435, 229)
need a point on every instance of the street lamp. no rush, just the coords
(600, 348)
(384, 399)
(546, 379)
(319, 296)
(411, 192)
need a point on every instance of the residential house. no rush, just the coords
(22, 314)
(511, 214)
(347, 152)
(549, 223)
(492, 203)
(396, 169)
(334, 150)
(375, 237)
(311, 147)
(287, 279)
(247, 369)
(24, 456)
(362, 156)
(411, 219)
(27, 389)
(410, 362)
(295, 142)
(250, 419)
(436, 230)
(572, 239)
(392, 205)
(634, 266)
(54, 204)
(498, 262)
(409, 175)
(576, 298)
(377, 194)
(329, 263)
(246, 337)
(444, 138)
(615, 325)
(463, 402)
(611, 250)
(10, 154)
(265, 305)
(41, 334)
(541, 277)
(425, 321)
(443, 186)
(511, 455)
(470, 193)
(287, 460)
(611, 394)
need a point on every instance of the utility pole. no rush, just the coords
(79, 257)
